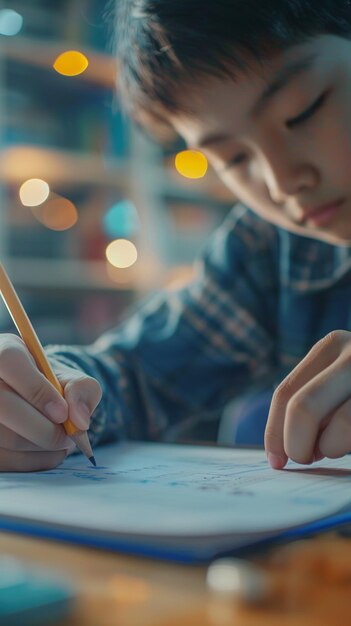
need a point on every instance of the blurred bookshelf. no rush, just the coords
(70, 131)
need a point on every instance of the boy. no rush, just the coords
(264, 90)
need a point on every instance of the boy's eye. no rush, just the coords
(305, 115)
(237, 160)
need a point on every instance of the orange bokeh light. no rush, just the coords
(57, 213)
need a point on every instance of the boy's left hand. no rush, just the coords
(310, 414)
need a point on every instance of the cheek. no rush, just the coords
(335, 146)
(254, 193)
(249, 189)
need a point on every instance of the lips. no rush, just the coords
(323, 214)
(323, 207)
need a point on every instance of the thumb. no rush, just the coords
(82, 394)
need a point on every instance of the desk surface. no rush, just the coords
(114, 589)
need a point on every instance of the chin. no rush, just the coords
(336, 239)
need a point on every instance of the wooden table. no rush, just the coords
(117, 590)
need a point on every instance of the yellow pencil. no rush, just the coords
(30, 338)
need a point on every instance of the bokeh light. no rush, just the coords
(191, 164)
(10, 22)
(121, 253)
(121, 220)
(57, 213)
(71, 63)
(34, 192)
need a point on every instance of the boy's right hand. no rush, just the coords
(32, 411)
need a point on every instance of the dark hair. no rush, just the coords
(164, 44)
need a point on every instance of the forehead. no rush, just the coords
(215, 99)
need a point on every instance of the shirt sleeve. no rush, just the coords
(183, 354)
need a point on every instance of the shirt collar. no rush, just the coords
(308, 264)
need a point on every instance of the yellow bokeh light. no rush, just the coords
(71, 63)
(34, 192)
(191, 164)
(58, 213)
(121, 253)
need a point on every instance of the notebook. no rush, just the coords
(179, 502)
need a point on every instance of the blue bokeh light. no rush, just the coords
(121, 220)
(10, 22)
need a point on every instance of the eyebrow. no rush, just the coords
(282, 79)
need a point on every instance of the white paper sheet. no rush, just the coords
(171, 490)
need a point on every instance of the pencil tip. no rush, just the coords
(92, 460)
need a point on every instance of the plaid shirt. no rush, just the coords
(261, 298)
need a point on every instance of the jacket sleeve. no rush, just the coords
(183, 354)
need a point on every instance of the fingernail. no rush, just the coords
(56, 411)
(275, 461)
(81, 416)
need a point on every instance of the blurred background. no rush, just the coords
(93, 214)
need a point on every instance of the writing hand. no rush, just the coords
(32, 411)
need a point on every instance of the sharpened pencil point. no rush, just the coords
(92, 460)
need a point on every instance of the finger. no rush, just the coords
(19, 371)
(274, 431)
(335, 440)
(322, 354)
(82, 394)
(320, 357)
(13, 441)
(312, 407)
(29, 461)
(22, 418)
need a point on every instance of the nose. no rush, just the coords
(285, 176)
